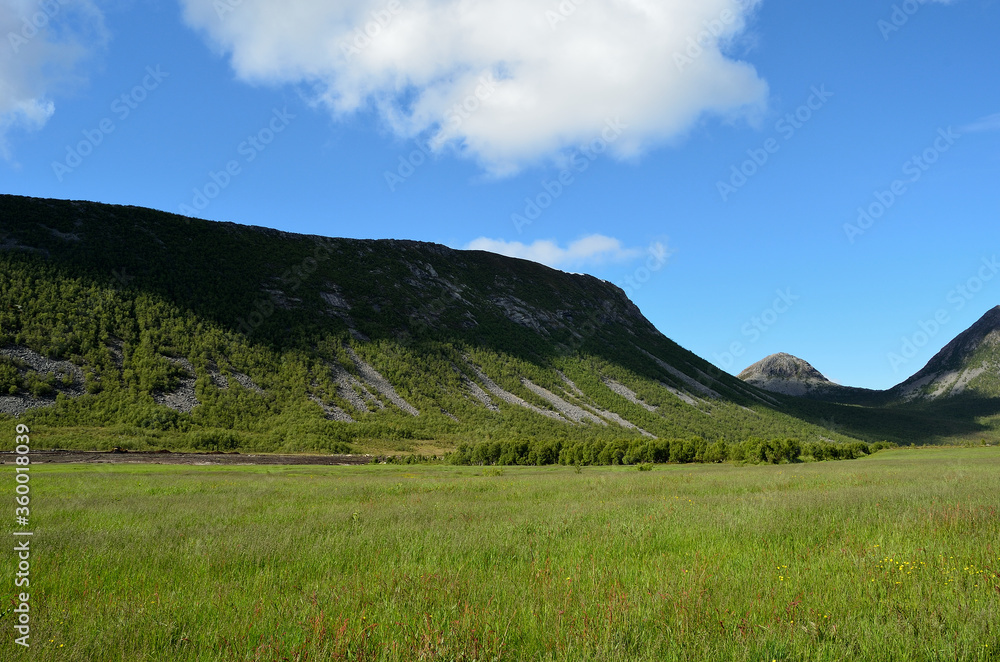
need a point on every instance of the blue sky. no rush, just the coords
(626, 123)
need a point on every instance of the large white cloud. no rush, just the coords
(534, 76)
(44, 45)
(592, 249)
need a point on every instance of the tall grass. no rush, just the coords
(892, 557)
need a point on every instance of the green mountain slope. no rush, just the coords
(122, 326)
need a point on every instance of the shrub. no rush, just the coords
(216, 440)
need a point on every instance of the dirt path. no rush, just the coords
(167, 457)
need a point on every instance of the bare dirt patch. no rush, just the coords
(168, 457)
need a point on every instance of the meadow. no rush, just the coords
(894, 556)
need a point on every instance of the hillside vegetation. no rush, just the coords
(122, 326)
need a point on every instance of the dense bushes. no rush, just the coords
(641, 451)
(851, 451)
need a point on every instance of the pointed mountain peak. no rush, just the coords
(784, 373)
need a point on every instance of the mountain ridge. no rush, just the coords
(124, 326)
(970, 361)
(180, 327)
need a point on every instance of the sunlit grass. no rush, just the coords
(894, 557)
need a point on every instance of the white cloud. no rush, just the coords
(562, 68)
(44, 45)
(988, 123)
(593, 249)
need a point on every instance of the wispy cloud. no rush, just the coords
(593, 249)
(505, 82)
(988, 123)
(44, 48)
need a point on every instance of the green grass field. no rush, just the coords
(892, 557)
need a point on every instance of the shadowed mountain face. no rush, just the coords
(170, 323)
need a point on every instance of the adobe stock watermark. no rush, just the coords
(122, 107)
(22, 534)
(34, 24)
(758, 325)
(914, 169)
(911, 344)
(561, 13)
(706, 38)
(292, 279)
(786, 128)
(454, 117)
(900, 16)
(224, 8)
(552, 190)
(249, 149)
(365, 35)
(658, 254)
